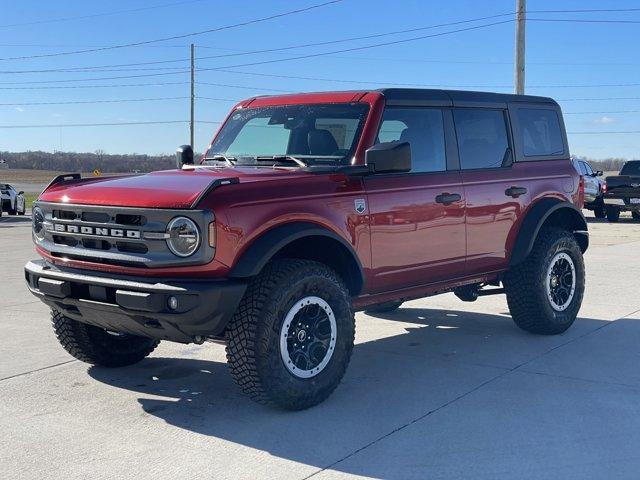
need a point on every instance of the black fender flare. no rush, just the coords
(266, 246)
(536, 217)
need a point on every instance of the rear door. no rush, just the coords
(496, 191)
(417, 218)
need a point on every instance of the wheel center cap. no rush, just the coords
(302, 335)
(554, 281)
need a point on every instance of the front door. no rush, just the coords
(417, 218)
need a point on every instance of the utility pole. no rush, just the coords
(193, 96)
(521, 14)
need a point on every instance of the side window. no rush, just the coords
(541, 132)
(482, 138)
(587, 168)
(423, 128)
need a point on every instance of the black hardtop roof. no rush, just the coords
(407, 95)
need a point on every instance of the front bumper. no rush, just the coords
(135, 306)
(622, 203)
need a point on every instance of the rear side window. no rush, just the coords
(423, 128)
(630, 168)
(482, 138)
(541, 132)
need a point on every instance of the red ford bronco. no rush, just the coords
(304, 209)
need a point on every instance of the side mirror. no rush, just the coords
(599, 173)
(389, 157)
(20, 192)
(184, 156)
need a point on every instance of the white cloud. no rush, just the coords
(605, 120)
(19, 109)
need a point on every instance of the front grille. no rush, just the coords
(118, 235)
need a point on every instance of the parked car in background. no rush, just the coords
(622, 192)
(12, 201)
(593, 187)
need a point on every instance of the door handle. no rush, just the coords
(448, 198)
(515, 192)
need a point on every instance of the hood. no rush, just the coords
(165, 189)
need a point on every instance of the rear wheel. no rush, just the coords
(636, 216)
(613, 214)
(544, 293)
(291, 338)
(97, 346)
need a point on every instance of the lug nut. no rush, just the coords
(172, 302)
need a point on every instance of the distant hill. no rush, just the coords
(87, 162)
(108, 163)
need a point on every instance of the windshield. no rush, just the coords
(631, 168)
(318, 134)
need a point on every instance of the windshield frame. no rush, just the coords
(217, 147)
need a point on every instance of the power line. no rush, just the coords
(588, 10)
(90, 102)
(93, 79)
(605, 133)
(600, 112)
(96, 15)
(577, 20)
(96, 86)
(272, 50)
(175, 37)
(242, 87)
(66, 125)
(369, 82)
(597, 99)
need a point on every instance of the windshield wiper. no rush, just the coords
(283, 158)
(231, 161)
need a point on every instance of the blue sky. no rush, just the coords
(558, 53)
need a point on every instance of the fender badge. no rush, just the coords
(360, 205)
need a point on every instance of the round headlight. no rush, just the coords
(184, 236)
(37, 223)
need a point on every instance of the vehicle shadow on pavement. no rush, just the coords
(428, 359)
(623, 219)
(14, 220)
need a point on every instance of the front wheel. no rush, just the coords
(544, 293)
(599, 211)
(613, 214)
(97, 346)
(291, 338)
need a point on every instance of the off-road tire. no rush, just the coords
(599, 211)
(12, 211)
(387, 307)
(636, 216)
(525, 285)
(613, 214)
(96, 346)
(253, 335)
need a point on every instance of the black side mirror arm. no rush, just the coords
(184, 156)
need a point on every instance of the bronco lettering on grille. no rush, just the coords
(97, 231)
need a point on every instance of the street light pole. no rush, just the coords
(521, 12)
(193, 97)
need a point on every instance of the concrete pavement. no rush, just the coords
(439, 389)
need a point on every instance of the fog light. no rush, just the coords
(173, 303)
